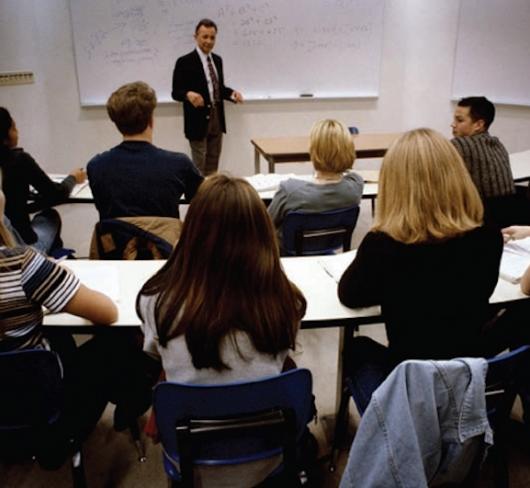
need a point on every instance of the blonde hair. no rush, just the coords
(425, 191)
(331, 146)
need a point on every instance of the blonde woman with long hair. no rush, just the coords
(428, 260)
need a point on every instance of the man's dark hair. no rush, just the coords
(206, 23)
(480, 108)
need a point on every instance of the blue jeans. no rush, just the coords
(47, 226)
(368, 364)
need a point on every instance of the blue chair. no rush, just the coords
(233, 424)
(31, 409)
(353, 130)
(305, 233)
(507, 373)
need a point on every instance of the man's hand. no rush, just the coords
(195, 99)
(236, 97)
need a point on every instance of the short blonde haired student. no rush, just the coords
(331, 147)
(332, 152)
(428, 260)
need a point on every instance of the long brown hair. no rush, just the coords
(225, 275)
(425, 190)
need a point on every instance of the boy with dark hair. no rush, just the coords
(487, 160)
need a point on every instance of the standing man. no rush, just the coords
(198, 82)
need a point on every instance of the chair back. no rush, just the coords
(233, 423)
(32, 398)
(118, 239)
(506, 374)
(305, 233)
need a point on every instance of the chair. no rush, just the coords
(353, 130)
(123, 239)
(506, 374)
(31, 409)
(233, 424)
(305, 233)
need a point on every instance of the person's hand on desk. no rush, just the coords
(195, 99)
(515, 232)
(79, 174)
(236, 97)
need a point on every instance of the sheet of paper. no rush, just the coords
(515, 259)
(336, 264)
(269, 181)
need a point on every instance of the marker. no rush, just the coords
(306, 95)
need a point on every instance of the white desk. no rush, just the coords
(319, 288)
(83, 193)
(317, 285)
(520, 163)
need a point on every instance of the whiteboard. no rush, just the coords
(271, 48)
(493, 51)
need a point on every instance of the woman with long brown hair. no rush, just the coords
(221, 308)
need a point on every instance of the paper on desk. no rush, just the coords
(103, 278)
(336, 264)
(269, 181)
(515, 259)
(59, 177)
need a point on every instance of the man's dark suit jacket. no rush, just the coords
(189, 75)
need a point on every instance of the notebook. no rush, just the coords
(515, 259)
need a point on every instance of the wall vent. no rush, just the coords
(16, 78)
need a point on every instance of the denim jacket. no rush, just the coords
(423, 426)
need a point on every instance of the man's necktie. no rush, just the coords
(215, 81)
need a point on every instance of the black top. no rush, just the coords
(434, 296)
(138, 179)
(19, 171)
(188, 75)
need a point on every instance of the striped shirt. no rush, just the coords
(29, 281)
(488, 163)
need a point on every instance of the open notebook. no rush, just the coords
(515, 260)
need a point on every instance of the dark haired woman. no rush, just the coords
(19, 171)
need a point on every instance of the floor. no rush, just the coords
(111, 459)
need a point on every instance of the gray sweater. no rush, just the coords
(488, 163)
(296, 194)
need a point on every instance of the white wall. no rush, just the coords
(416, 74)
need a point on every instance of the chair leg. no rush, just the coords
(137, 439)
(340, 425)
(78, 470)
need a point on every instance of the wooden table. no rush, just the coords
(296, 149)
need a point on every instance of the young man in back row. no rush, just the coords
(487, 161)
(136, 178)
